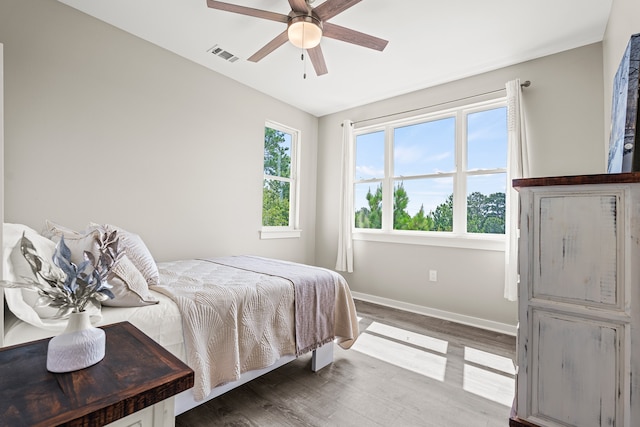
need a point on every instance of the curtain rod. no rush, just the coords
(527, 83)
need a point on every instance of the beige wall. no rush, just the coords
(564, 113)
(624, 21)
(102, 126)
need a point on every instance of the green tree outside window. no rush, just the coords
(277, 171)
(485, 213)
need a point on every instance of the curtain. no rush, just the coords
(518, 167)
(345, 238)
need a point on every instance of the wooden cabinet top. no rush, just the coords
(135, 373)
(606, 178)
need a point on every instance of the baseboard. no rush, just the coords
(477, 322)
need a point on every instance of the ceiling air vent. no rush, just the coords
(218, 51)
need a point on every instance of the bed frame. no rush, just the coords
(320, 358)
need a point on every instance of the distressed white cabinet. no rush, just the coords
(579, 300)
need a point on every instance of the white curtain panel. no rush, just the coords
(345, 235)
(518, 167)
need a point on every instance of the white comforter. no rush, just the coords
(235, 320)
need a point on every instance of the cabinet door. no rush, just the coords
(578, 240)
(142, 418)
(161, 414)
(577, 370)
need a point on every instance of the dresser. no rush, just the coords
(579, 298)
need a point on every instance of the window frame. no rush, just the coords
(293, 229)
(459, 237)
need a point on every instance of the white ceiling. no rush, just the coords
(429, 42)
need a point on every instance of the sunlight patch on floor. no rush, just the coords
(490, 360)
(489, 385)
(404, 356)
(419, 340)
(485, 374)
(486, 383)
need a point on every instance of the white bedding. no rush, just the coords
(239, 314)
(159, 321)
(234, 320)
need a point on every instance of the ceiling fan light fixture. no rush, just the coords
(304, 31)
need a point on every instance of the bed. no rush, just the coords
(231, 319)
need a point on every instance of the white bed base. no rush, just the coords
(320, 358)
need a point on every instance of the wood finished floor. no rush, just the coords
(361, 390)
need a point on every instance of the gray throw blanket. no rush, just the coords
(315, 296)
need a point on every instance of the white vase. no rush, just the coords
(79, 346)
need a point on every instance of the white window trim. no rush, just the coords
(455, 239)
(432, 238)
(293, 229)
(276, 233)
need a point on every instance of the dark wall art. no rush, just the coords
(624, 112)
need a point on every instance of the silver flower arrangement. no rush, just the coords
(70, 287)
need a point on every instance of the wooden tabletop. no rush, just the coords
(606, 178)
(135, 373)
(516, 422)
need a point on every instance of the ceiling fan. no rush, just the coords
(306, 25)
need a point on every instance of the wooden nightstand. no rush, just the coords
(135, 374)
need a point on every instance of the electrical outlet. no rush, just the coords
(433, 275)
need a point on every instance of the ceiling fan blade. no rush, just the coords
(331, 8)
(264, 14)
(317, 59)
(280, 39)
(351, 36)
(299, 6)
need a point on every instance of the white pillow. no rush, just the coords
(129, 285)
(53, 229)
(21, 302)
(136, 250)
(79, 243)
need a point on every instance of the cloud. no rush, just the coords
(440, 156)
(365, 172)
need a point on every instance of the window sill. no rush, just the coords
(279, 234)
(450, 240)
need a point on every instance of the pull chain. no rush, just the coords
(304, 63)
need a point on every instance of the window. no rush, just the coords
(280, 184)
(437, 175)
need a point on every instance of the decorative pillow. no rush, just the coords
(79, 243)
(129, 285)
(136, 250)
(22, 302)
(53, 229)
